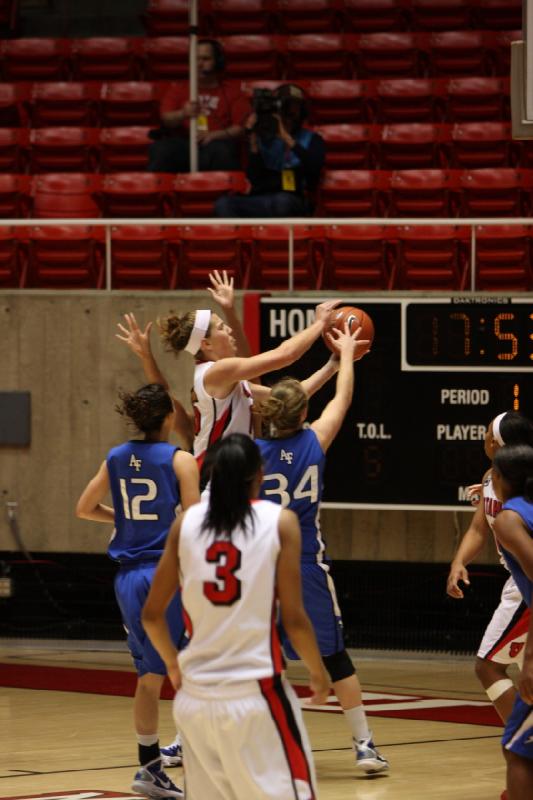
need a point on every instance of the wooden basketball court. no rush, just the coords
(429, 717)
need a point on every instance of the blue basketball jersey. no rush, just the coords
(294, 477)
(525, 509)
(145, 495)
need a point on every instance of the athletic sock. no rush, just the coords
(357, 721)
(148, 748)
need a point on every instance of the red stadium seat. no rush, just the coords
(13, 258)
(441, 15)
(200, 247)
(349, 146)
(483, 144)
(339, 101)
(498, 15)
(503, 258)
(239, 17)
(13, 104)
(307, 16)
(412, 145)
(165, 58)
(311, 55)
(14, 144)
(129, 103)
(141, 257)
(124, 149)
(64, 103)
(356, 258)
(479, 98)
(65, 257)
(249, 57)
(196, 192)
(137, 194)
(270, 255)
(430, 257)
(410, 100)
(351, 193)
(459, 53)
(168, 17)
(492, 192)
(63, 194)
(38, 59)
(387, 55)
(106, 58)
(63, 150)
(373, 16)
(15, 195)
(423, 193)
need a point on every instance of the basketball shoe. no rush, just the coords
(172, 754)
(153, 783)
(368, 758)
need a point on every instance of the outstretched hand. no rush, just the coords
(221, 288)
(345, 341)
(323, 311)
(137, 340)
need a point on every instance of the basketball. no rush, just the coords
(355, 317)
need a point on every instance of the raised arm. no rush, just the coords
(293, 616)
(164, 586)
(471, 545)
(329, 423)
(186, 471)
(90, 504)
(138, 341)
(224, 374)
(221, 290)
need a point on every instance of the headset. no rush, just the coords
(290, 91)
(218, 53)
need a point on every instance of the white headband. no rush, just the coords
(202, 318)
(496, 422)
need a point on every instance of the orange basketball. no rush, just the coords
(355, 317)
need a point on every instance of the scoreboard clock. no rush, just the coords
(439, 370)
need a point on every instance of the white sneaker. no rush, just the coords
(153, 783)
(172, 754)
(368, 758)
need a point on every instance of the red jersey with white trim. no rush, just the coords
(216, 418)
(229, 601)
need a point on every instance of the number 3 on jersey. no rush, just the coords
(307, 486)
(226, 590)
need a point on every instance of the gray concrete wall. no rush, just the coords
(62, 348)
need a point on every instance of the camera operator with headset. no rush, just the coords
(220, 113)
(285, 159)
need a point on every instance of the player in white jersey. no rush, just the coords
(505, 636)
(222, 395)
(236, 557)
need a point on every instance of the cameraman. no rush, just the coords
(285, 159)
(220, 113)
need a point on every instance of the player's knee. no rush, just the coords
(487, 672)
(339, 666)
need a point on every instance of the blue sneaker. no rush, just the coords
(153, 783)
(172, 754)
(368, 758)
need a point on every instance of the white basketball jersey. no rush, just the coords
(215, 418)
(492, 507)
(228, 596)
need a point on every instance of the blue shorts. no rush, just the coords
(320, 601)
(518, 734)
(132, 585)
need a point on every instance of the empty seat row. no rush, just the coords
(336, 257)
(106, 104)
(437, 193)
(222, 17)
(334, 55)
(466, 145)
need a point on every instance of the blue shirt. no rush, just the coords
(525, 509)
(294, 477)
(145, 494)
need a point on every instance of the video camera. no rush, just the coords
(266, 103)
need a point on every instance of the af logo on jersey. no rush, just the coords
(135, 462)
(286, 455)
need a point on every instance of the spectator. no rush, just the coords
(220, 113)
(285, 159)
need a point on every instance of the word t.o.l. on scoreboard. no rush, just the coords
(438, 372)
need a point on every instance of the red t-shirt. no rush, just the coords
(222, 105)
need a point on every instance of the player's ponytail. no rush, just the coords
(147, 408)
(282, 411)
(235, 465)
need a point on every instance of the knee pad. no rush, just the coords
(498, 688)
(339, 666)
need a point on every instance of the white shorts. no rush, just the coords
(506, 633)
(244, 747)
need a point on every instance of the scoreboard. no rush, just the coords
(439, 370)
